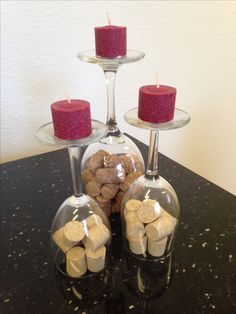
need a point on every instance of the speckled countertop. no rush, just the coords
(203, 278)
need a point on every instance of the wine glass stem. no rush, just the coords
(110, 77)
(75, 163)
(152, 166)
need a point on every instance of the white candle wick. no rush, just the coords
(108, 19)
(68, 98)
(157, 81)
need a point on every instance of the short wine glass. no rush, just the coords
(80, 232)
(150, 215)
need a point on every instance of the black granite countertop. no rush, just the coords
(203, 278)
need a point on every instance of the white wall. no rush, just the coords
(191, 44)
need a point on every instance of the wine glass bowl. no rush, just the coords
(70, 229)
(108, 169)
(81, 233)
(155, 197)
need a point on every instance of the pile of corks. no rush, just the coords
(108, 176)
(147, 226)
(84, 245)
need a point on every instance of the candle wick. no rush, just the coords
(157, 80)
(108, 19)
(68, 98)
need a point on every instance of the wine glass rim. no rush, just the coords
(181, 118)
(45, 135)
(131, 56)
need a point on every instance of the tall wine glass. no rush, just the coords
(115, 143)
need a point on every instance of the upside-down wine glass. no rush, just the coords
(122, 153)
(148, 239)
(75, 218)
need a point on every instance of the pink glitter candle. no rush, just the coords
(71, 119)
(110, 41)
(156, 103)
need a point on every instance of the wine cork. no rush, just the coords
(96, 259)
(127, 163)
(125, 185)
(76, 262)
(149, 211)
(116, 206)
(131, 164)
(87, 175)
(73, 233)
(167, 215)
(119, 199)
(109, 175)
(93, 188)
(92, 221)
(131, 217)
(102, 199)
(97, 237)
(106, 207)
(134, 227)
(138, 245)
(161, 227)
(109, 190)
(58, 238)
(157, 248)
(96, 161)
(111, 161)
(132, 205)
(130, 178)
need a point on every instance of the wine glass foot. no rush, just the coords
(147, 280)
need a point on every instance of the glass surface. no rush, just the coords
(93, 264)
(80, 224)
(150, 208)
(148, 278)
(45, 135)
(159, 190)
(181, 118)
(147, 262)
(90, 56)
(115, 161)
(77, 209)
(80, 233)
